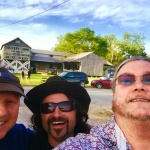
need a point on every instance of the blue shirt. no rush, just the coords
(17, 138)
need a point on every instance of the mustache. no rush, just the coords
(57, 119)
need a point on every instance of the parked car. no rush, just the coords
(75, 77)
(102, 83)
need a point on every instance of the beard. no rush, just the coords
(122, 109)
(58, 134)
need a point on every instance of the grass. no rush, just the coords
(36, 79)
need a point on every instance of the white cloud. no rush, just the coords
(125, 15)
(122, 12)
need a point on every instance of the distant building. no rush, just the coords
(16, 55)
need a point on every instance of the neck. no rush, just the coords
(136, 132)
(55, 141)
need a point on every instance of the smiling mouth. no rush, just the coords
(1, 123)
(57, 123)
(139, 100)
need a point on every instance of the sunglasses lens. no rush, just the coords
(47, 108)
(146, 78)
(126, 79)
(66, 106)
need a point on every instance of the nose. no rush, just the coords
(139, 85)
(57, 112)
(3, 111)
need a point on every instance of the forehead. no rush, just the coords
(55, 98)
(8, 93)
(135, 67)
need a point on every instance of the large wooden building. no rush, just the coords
(16, 55)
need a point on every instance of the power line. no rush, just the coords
(35, 14)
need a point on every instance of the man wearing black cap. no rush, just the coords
(12, 136)
(59, 111)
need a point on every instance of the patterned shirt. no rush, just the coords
(102, 137)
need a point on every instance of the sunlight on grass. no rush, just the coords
(36, 79)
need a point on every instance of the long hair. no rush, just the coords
(81, 120)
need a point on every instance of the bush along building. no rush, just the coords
(17, 55)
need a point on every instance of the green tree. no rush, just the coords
(113, 55)
(119, 50)
(82, 40)
(132, 45)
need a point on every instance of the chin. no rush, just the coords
(138, 117)
(2, 135)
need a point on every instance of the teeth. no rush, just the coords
(140, 100)
(55, 123)
(1, 123)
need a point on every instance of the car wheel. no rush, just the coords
(99, 85)
(82, 83)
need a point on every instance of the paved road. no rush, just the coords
(100, 101)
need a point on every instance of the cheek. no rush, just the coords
(13, 113)
(72, 118)
(44, 119)
(121, 92)
(14, 110)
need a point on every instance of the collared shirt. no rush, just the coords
(107, 136)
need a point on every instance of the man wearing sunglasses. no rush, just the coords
(129, 128)
(59, 111)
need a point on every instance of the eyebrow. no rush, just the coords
(125, 73)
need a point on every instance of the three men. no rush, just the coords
(59, 111)
(129, 128)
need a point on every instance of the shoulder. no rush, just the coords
(105, 128)
(17, 138)
(21, 132)
(82, 141)
(39, 142)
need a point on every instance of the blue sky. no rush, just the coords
(103, 16)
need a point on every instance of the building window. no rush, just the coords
(17, 41)
(51, 66)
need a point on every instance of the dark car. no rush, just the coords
(102, 83)
(75, 77)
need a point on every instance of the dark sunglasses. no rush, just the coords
(65, 106)
(128, 79)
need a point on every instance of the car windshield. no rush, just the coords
(62, 74)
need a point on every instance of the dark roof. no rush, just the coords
(44, 59)
(48, 52)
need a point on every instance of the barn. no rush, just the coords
(16, 54)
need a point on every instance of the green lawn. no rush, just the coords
(36, 79)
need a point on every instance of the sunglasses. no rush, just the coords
(128, 79)
(65, 106)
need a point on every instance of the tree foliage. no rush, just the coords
(109, 47)
(82, 40)
(130, 45)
